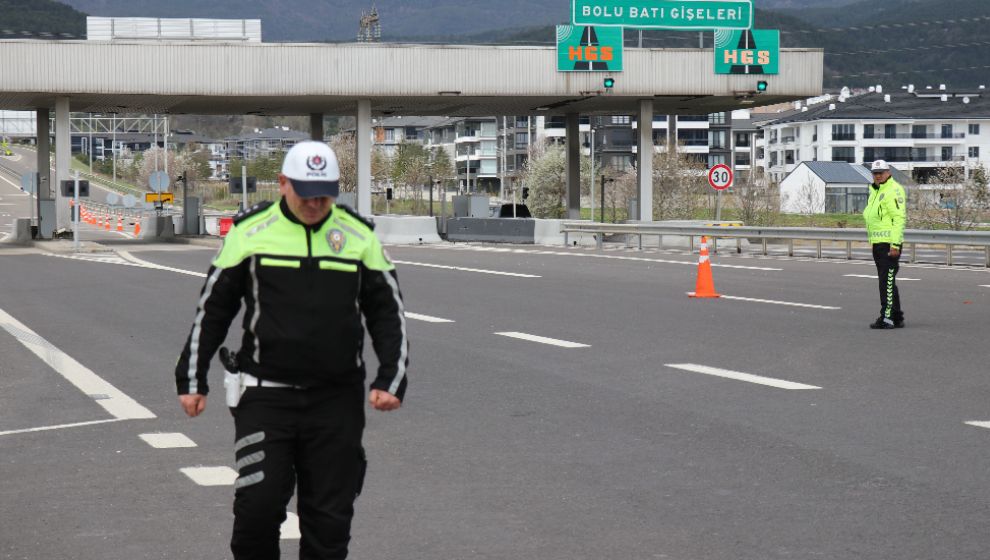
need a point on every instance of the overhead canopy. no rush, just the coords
(297, 79)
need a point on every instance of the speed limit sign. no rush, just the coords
(720, 177)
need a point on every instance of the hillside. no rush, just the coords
(924, 44)
(32, 17)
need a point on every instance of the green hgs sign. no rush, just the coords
(755, 51)
(685, 15)
(589, 49)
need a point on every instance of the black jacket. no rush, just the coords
(305, 289)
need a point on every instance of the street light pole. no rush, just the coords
(592, 181)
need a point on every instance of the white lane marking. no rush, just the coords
(106, 395)
(167, 441)
(463, 269)
(978, 424)
(290, 527)
(7, 204)
(60, 426)
(775, 302)
(740, 376)
(427, 318)
(543, 340)
(146, 264)
(985, 285)
(598, 256)
(875, 277)
(211, 476)
(10, 182)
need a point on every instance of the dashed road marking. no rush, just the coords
(427, 318)
(211, 476)
(167, 440)
(463, 269)
(543, 340)
(875, 277)
(978, 424)
(740, 376)
(775, 302)
(60, 426)
(106, 395)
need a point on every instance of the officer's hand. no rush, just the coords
(382, 400)
(194, 405)
(894, 252)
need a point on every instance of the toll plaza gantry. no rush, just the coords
(366, 80)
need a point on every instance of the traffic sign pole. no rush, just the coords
(720, 178)
(75, 218)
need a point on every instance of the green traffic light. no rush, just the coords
(761, 85)
(609, 82)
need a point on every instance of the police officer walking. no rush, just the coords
(307, 271)
(886, 215)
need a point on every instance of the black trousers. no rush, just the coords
(290, 436)
(887, 267)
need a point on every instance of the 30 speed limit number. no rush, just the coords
(720, 177)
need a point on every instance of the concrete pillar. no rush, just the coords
(573, 130)
(316, 131)
(63, 155)
(46, 198)
(363, 147)
(644, 160)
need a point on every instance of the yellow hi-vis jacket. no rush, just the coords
(886, 213)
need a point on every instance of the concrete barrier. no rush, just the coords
(547, 232)
(491, 230)
(399, 230)
(155, 227)
(20, 233)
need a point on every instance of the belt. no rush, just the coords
(248, 380)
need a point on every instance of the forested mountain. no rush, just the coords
(866, 42)
(33, 17)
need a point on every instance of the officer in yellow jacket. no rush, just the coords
(886, 214)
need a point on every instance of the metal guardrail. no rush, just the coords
(912, 238)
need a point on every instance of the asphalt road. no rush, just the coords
(15, 203)
(572, 438)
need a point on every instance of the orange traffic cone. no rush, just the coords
(137, 227)
(120, 223)
(705, 286)
(107, 225)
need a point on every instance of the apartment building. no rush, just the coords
(472, 143)
(918, 131)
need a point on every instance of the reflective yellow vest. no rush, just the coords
(886, 213)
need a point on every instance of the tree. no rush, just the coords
(546, 176)
(680, 186)
(343, 146)
(152, 160)
(959, 205)
(758, 204)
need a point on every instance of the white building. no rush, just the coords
(817, 187)
(918, 131)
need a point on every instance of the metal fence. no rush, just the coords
(786, 235)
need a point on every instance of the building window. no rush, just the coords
(621, 119)
(716, 159)
(521, 141)
(890, 131)
(919, 132)
(716, 118)
(946, 153)
(974, 129)
(742, 140)
(974, 151)
(717, 139)
(843, 132)
(693, 137)
(847, 155)
(868, 131)
(390, 135)
(412, 133)
(692, 118)
(946, 131)
(742, 158)
(761, 153)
